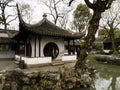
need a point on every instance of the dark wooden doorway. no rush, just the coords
(28, 49)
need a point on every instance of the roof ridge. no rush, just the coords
(56, 25)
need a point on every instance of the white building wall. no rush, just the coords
(3, 35)
(32, 42)
(45, 40)
(58, 41)
(37, 46)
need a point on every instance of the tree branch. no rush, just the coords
(9, 16)
(70, 2)
(57, 2)
(89, 4)
(11, 5)
(12, 20)
(109, 3)
(51, 15)
(116, 25)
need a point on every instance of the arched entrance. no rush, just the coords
(51, 49)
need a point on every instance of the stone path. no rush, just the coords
(10, 65)
(7, 64)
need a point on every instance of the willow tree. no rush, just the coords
(98, 7)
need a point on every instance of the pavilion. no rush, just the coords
(44, 42)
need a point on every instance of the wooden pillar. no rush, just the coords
(17, 48)
(68, 47)
(73, 47)
(35, 47)
(39, 46)
(25, 47)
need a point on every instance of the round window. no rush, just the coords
(51, 49)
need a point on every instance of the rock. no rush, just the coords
(26, 80)
(64, 79)
(86, 79)
(6, 86)
(54, 76)
(70, 82)
(33, 81)
(62, 71)
(14, 85)
(43, 74)
(33, 75)
(78, 82)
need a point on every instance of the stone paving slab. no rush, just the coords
(7, 64)
(10, 65)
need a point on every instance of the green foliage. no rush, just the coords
(104, 33)
(81, 17)
(25, 10)
(24, 7)
(1, 20)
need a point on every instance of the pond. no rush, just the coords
(107, 77)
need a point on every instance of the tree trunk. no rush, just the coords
(112, 37)
(88, 40)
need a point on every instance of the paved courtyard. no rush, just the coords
(7, 64)
(10, 65)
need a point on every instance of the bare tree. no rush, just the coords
(4, 17)
(111, 22)
(58, 10)
(25, 10)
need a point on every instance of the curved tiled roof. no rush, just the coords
(45, 27)
(7, 36)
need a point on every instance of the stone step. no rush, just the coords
(57, 62)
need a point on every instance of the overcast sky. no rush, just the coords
(38, 10)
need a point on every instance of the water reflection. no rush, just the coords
(107, 78)
(101, 83)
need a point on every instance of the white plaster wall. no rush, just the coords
(69, 58)
(3, 35)
(58, 41)
(33, 46)
(34, 61)
(37, 46)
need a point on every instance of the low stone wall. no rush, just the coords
(34, 61)
(108, 59)
(63, 79)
